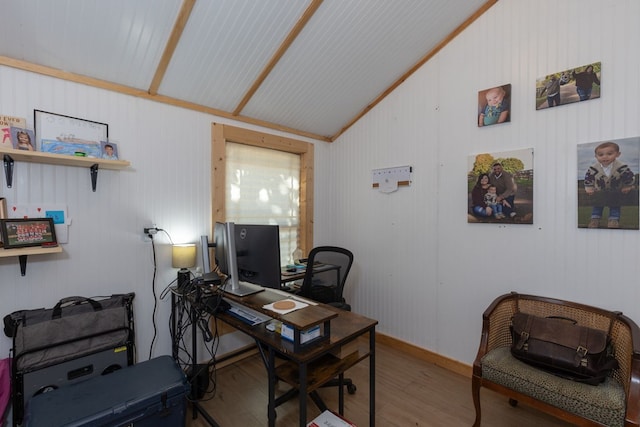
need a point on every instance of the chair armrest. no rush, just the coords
(496, 321)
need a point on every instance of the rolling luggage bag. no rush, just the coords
(76, 340)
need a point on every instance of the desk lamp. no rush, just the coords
(183, 257)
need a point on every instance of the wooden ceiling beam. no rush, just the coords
(172, 43)
(293, 34)
(140, 93)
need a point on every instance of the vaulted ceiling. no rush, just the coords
(310, 67)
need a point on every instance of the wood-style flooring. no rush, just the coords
(409, 392)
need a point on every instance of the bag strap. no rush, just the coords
(57, 310)
(524, 335)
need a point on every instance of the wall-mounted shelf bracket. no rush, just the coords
(8, 169)
(94, 176)
(23, 264)
(22, 254)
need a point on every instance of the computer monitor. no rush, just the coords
(258, 254)
(225, 255)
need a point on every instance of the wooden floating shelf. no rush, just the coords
(60, 159)
(22, 254)
(10, 155)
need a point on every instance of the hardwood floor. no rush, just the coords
(409, 392)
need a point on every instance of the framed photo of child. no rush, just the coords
(23, 139)
(494, 105)
(608, 184)
(109, 150)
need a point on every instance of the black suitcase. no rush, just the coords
(78, 339)
(149, 394)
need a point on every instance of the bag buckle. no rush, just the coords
(580, 359)
(524, 337)
(582, 351)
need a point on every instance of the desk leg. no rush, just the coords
(372, 378)
(302, 398)
(271, 373)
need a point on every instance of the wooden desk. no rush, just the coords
(313, 365)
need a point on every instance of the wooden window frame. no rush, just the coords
(221, 134)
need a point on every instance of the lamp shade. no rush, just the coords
(183, 256)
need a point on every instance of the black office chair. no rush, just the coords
(324, 282)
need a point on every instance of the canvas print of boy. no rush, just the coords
(608, 184)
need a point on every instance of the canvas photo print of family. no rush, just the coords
(568, 86)
(608, 184)
(500, 187)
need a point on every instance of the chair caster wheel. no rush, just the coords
(351, 389)
(513, 402)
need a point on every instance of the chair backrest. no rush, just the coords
(325, 281)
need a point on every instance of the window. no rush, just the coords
(264, 179)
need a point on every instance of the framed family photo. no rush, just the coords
(59, 134)
(19, 233)
(567, 86)
(500, 187)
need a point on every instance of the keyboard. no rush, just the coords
(246, 314)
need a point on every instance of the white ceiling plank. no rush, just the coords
(348, 54)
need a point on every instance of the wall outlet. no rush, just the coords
(149, 231)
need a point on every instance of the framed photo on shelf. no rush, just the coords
(23, 139)
(20, 233)
(59, 134)
(109, 150)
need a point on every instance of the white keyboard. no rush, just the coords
(246, 314)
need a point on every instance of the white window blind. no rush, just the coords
(263, 187)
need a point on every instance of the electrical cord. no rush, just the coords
(153, 289)
(185, 301)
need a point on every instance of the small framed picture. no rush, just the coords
(109, 150)
(20, 233)
(23, 139)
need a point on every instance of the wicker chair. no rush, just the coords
(616, 402)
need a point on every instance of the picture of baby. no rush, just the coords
(494, 105)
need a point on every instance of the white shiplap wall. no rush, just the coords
(422, 270)
(168, 184)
